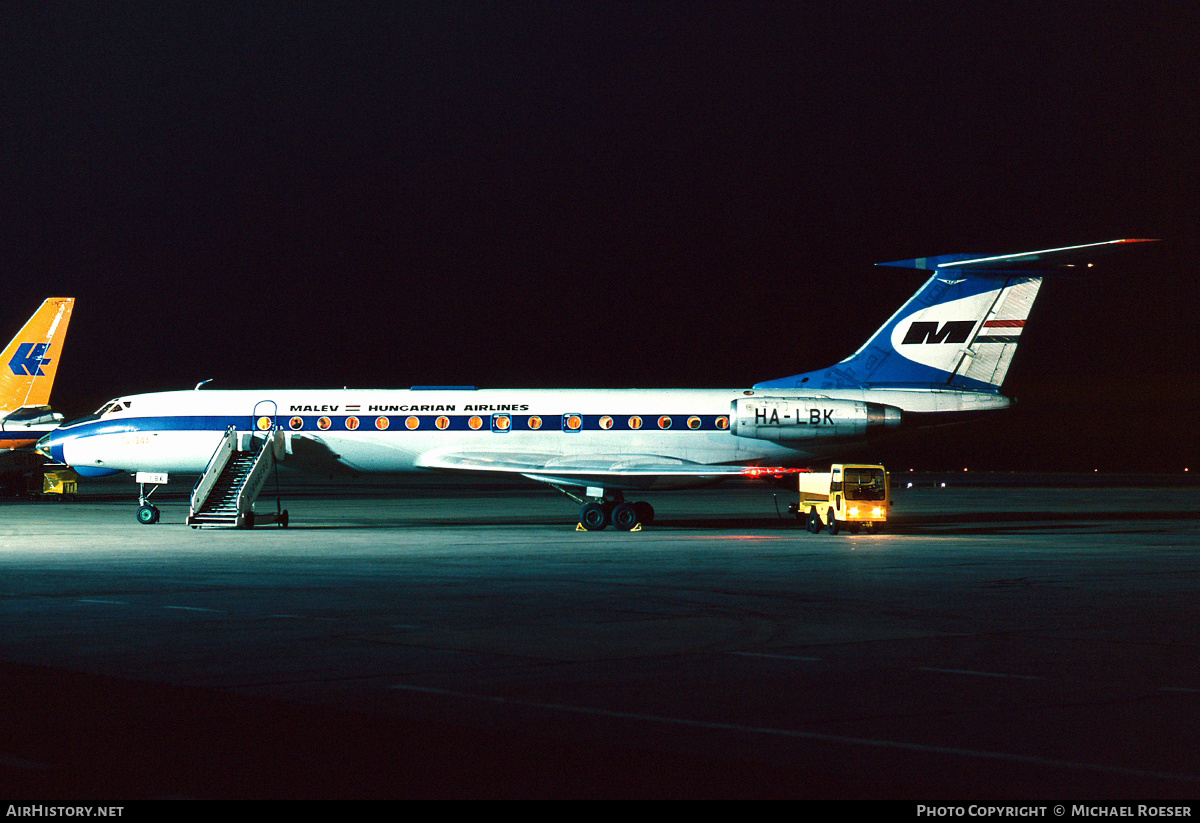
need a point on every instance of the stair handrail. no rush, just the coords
(208, 478)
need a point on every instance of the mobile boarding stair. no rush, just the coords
(225, 494)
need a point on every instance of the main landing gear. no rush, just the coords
(625, 516)
(599, 508)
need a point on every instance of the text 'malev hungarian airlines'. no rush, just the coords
(941, 357)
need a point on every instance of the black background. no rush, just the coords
(605, 195)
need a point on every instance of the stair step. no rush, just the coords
(221, 505)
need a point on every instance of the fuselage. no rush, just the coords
(380, 430)
(23, 427)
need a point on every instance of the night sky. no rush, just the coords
(605, 194)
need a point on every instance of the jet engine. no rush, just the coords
(809, 418)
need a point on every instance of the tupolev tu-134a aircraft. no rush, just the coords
(940, 358)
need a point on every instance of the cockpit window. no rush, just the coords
(111, 405)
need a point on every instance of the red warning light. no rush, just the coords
(771, 471)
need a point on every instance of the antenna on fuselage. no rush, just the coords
(201, 383)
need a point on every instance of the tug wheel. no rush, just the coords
(814, 521)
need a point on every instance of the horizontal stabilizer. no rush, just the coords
(1044, 261)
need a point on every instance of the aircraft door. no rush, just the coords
(264, 416)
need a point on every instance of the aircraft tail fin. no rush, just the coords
(30, 361)
(959, 331)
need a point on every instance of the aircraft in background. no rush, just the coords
(28, 365)
(942, 357)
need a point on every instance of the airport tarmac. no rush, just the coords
(449, 639)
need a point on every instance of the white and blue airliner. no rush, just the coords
(941, 357)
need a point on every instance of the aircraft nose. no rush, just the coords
(50, 447)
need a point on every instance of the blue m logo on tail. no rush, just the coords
(29, 359)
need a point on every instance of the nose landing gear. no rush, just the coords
(147, 513)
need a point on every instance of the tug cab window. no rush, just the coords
(864, 484)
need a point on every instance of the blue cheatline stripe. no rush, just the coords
(519, 422)
(550, 423)
(33, 435)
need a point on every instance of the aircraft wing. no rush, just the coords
(629, 471)
(613, 471)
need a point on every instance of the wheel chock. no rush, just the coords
(580, 528)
